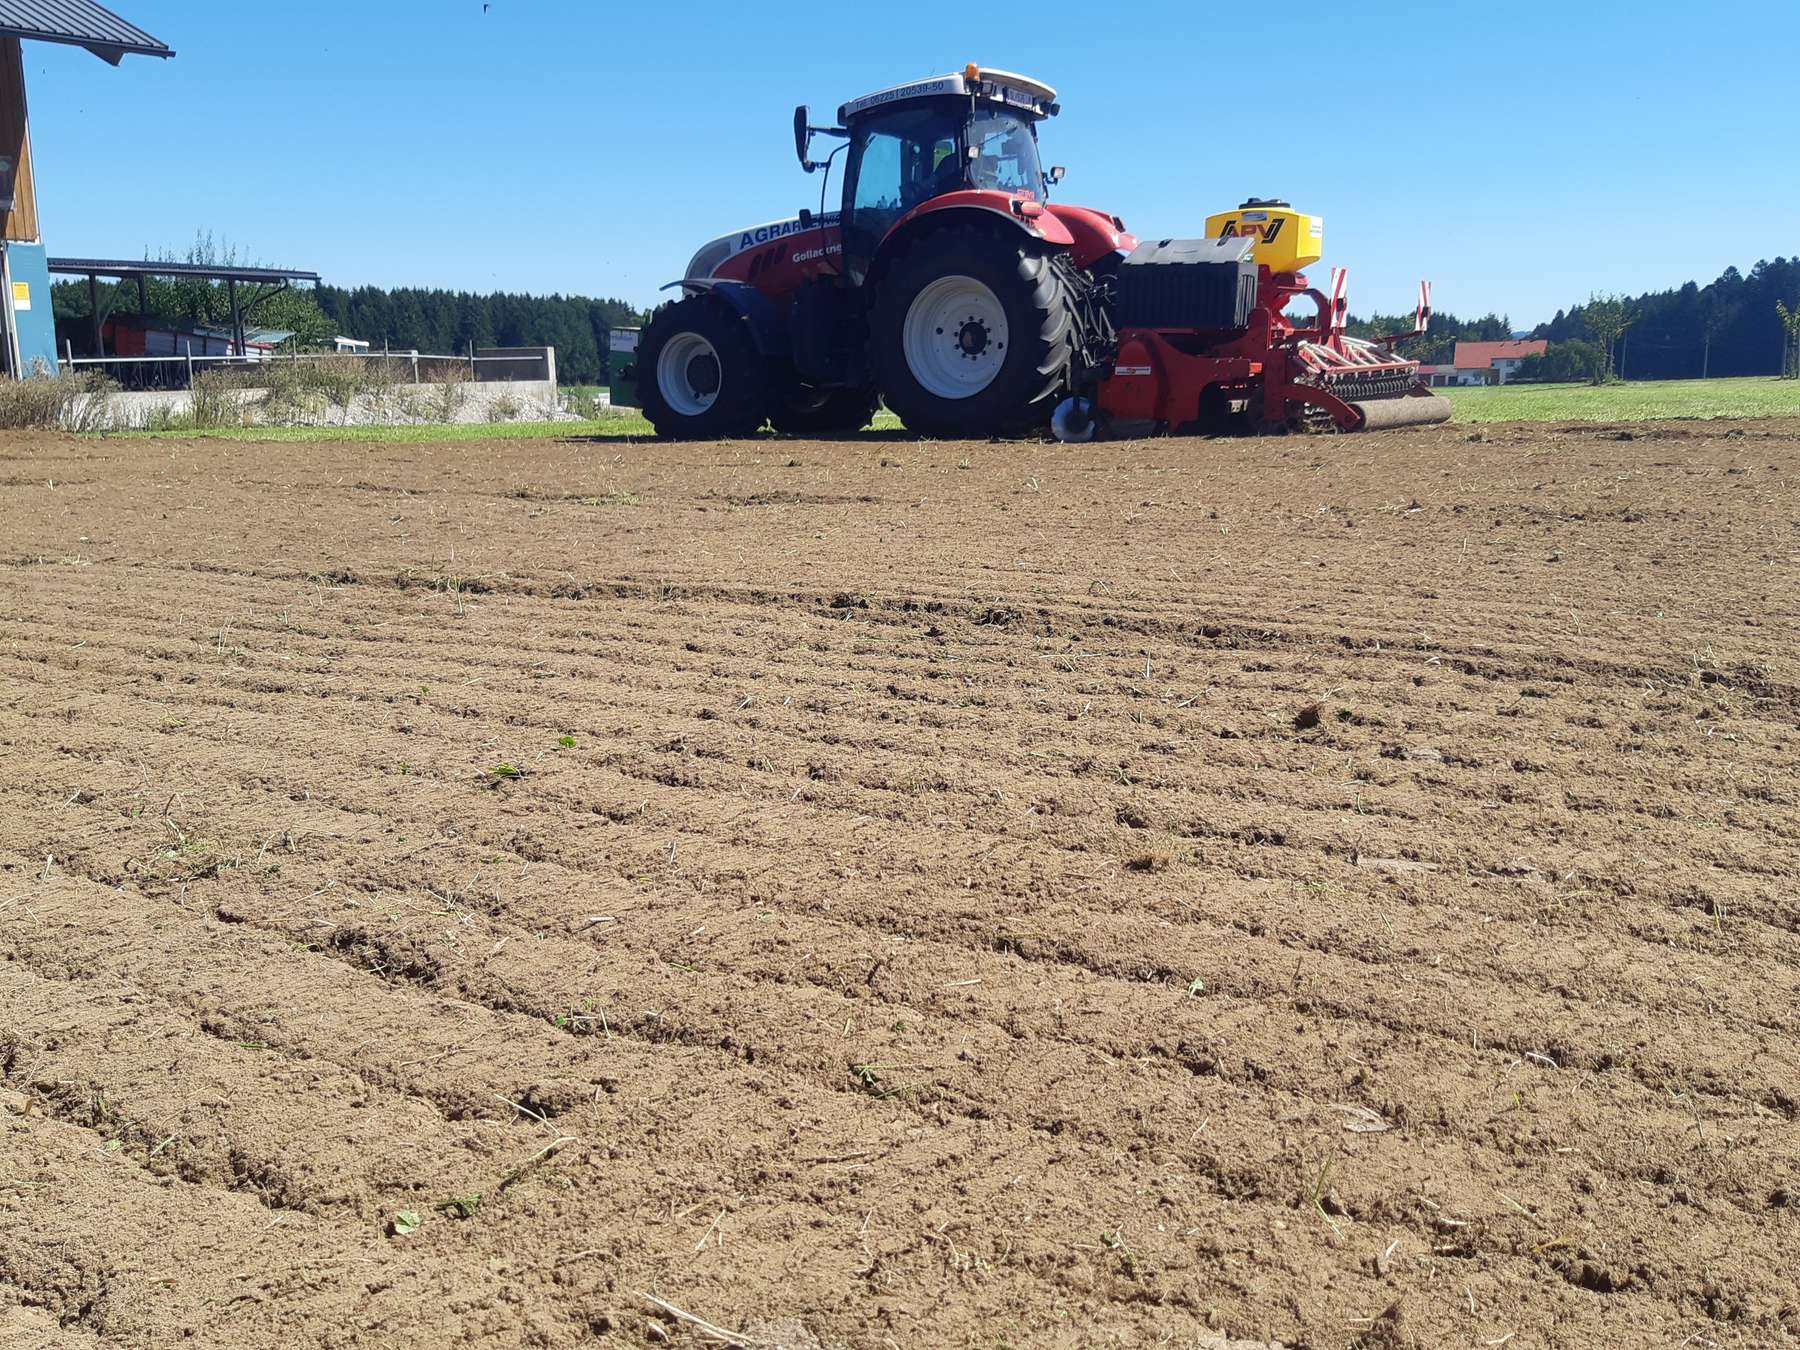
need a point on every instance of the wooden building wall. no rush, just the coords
(21, 224)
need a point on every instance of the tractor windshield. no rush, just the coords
(1003, 153)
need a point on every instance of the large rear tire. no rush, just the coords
(972, 334)
(700, 376)
(803, 410)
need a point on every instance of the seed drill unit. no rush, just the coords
(948, 286)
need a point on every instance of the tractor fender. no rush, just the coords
(1095, 233)
(768, 325)
(946, 210)
(1028, 214)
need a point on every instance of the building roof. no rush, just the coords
(124, 268)
(273, 337)
(1481, 355)
(79, 23)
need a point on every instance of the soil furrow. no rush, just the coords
(1082, 895)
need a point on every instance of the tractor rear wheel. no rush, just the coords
(972, 334)
(804, 410)
(700, 376)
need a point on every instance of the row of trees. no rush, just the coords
(1738, 325)
(1565, 363)
(449, 321)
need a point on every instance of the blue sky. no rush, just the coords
(1520, 154)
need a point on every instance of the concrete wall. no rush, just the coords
(404, 405)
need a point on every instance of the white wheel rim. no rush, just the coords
(681, 374)
(1074, 421)
(955, 337)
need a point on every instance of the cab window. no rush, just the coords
(897, 162)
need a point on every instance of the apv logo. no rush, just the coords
(1255, 225)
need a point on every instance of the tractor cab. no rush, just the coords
(970, 133)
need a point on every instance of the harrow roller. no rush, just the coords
(1414, 410)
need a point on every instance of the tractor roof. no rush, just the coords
(1023, 94)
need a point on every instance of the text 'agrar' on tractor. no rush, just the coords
(948, 286)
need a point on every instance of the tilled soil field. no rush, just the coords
(1331, 891)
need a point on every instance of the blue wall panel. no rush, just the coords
(30, 267)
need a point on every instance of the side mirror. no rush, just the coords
(803, 137)
(1056, 173)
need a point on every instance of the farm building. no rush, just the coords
(100, 337)
(124, 337)
(1492, 362)
(29, 340)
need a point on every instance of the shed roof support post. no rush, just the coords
(9, 324)
(143, 299)
(237, 317)
(94, 313)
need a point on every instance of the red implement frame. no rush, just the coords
(1285, 373)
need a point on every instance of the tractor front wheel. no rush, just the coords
(972, 334)
(700, 376)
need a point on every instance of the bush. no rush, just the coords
(1564, 363)
(306, 390)
(451, 390)
(71, 401)
(216, 401)
(278, 393)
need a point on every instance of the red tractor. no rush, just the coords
(949, 287)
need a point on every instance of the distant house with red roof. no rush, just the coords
(1493, 362)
